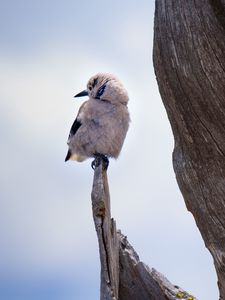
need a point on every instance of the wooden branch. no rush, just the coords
(123, 275)
(106, 232)
(138, 281)
(189, 61)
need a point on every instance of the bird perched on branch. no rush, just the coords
(102, 122)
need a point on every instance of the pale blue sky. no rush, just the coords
(48, 51)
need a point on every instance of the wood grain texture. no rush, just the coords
(106, 233)
(123, 275)
(189, 61)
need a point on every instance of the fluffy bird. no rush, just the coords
(102, 122)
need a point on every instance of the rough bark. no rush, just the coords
(189, 61)
(123, 275)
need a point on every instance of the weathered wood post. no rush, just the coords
(123, 275)
(107, 236)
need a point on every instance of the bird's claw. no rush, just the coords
(94, 164)
(98, 158)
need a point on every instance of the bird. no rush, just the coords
(102, 121)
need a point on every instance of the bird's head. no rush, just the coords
(105, 87)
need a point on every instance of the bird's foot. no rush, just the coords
(98, 158)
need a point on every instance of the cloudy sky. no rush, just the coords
(49, 251)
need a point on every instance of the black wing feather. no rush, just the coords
(76, 125)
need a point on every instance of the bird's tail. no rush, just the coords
(68, 155)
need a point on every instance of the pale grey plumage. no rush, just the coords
(102, 122)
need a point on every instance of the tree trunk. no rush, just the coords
(123, 275)
(189, 61)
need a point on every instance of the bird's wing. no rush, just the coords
(76, 125)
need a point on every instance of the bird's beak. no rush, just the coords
(81, 94)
